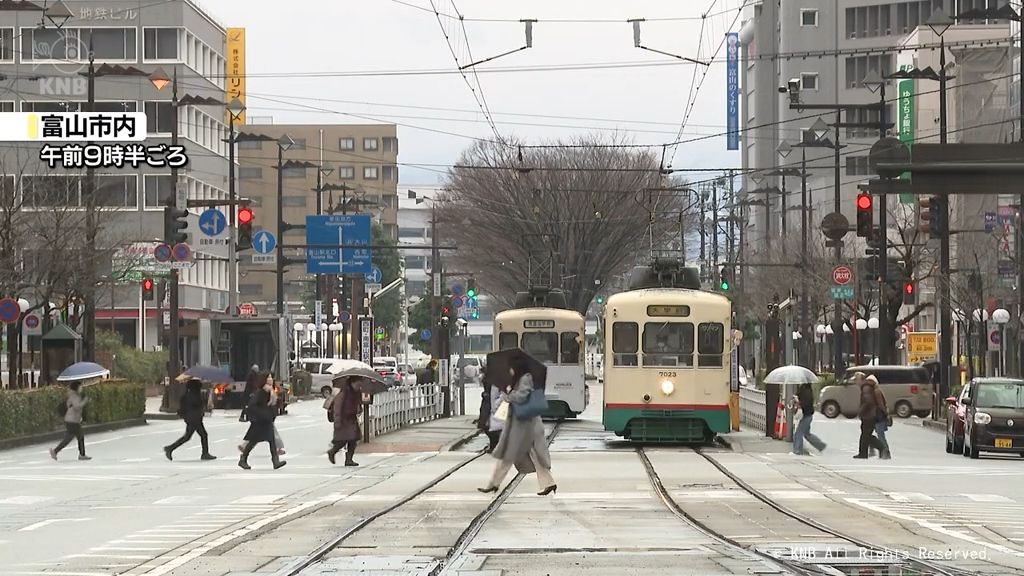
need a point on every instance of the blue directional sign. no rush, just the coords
(324, 236)
(425, 334)
(374, 277)
(212, 222)
(345, 316)
(263, 242)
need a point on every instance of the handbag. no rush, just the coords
(502, 412)
(535, 405)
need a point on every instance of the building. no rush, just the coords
(414, 228)
(43, 66)
(356, 164)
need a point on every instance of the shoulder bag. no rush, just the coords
(535, 405)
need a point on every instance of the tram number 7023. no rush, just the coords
(667, 374)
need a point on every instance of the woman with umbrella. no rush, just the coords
(261, 422)
(72, 409)
(522, 441)
(192, 410)
(343, 410)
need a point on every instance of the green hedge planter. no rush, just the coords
(28, 412)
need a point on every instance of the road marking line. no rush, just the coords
(707, 494)
(59, 573)
(258, 499)
(137, 541)
(987, 497)
(125, 556)
(175, 500)
(134, 460)
(25, 500)
(909, 496)
(44, 523)
(795, 495)
(126, 549)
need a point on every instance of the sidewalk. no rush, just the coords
(153, 410)
(754, 441)
(441, 435)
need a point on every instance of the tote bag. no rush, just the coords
(535, 405)
(502, 412)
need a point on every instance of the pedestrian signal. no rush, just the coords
(147, 289)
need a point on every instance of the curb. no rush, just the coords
(160, 416)
(934, 425)
(58, 434)
(460, 441)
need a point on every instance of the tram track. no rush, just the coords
(296, 567)
(921, 565)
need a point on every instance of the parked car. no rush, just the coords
(956, 411)
(908, 391)
(994, 417)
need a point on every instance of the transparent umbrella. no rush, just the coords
(791, 375)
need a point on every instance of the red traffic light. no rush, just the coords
(863, 202)
(445, 311)
(245, 216)
(908, 288)
(147, 284)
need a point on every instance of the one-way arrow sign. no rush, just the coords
(264, 242)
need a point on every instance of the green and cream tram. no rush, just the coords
(667, 363)
(553, 336)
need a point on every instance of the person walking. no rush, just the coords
(261, 422)
(72, 410)
(192, 411)
(250, 389)
(343, 409)
(494, 424)
(522, 442)
(883, 420)
(868, 417)
(805, 399)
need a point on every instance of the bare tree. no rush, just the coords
(589, 208)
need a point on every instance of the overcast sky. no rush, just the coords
(301, 56)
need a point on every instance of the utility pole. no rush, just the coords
(837, 320)
(437, 281)
(945, 306)
(232, 222)
(89, 192)
(174, 364)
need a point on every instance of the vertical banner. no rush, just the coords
(235, 81)
(732, 90)
(905, 122)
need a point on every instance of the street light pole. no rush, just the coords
(174, 362)
(280, 230)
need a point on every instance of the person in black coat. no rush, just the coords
(250, 389)
(261, 422)
(193, 408)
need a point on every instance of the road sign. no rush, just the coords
(325, 233)
(318, 313)
(371, 288)
(842, 275)
(922, 346)
(181, 252)
(835, 226)
(425, 334)
(457, 289)
(264, 258)
(167, 318)
(33, 325)
(162, 253)
(374, 277)
(366, 339)
(457, 301)
(379, 330)
(842, 292)
(263, 242)
(248, 310)
(995, 340)
(345, 316)
(212, 222)
(9, 311)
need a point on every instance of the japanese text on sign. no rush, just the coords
(73, 127)
(113, 155)
(732, 93)
(235, 81)
(101, 13)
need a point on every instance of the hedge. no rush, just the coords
(27, 412)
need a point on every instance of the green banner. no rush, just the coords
(905, 123)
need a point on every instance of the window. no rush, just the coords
(808, 81)
(50, 190)
(415, 262)
(347, 144)
(570, 353)
(300, 144)
(250, 144)
(7, 106)
(294, 201)
(508, 340)
(391, 173)
(390, 144)
(862, 116)
(294, 172)
(159, 117)
(369, 172)
(370, 144)
(858, 67)
(116, 191)
(71, 44)
(404, 232)
(250, 289)
(110, 43)
(49, 106)
(346, 172)
(808, 17)
(541, 345)
(7, 44)
(159, 188)
(114, 107)
(250, 172)
(624, 343)
(160, 44)
(857, 166)
(668, 344)
(710, 343)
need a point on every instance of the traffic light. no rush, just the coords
(245, 218)
(600, 300)
(909, 293)
(726, 278)
(471, 288)
(925, 209)
(475, 314)
(937, 216)
(174, 223)
(147, 289)
(865, 215)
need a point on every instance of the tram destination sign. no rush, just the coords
(535, 324)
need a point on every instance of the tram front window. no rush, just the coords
(570, 348)
(508, 340)
(668, 344)
(541, 345)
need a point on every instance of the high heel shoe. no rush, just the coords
(549, 490)
(488, 490)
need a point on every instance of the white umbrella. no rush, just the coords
(791, 375)
(365, 378)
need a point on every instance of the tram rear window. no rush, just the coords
(710, 343)
(541, 345)
(625, 336)
(668, 344)
(508, 340)
(661, 310)
(570, 353)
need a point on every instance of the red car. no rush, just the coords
(955, 414)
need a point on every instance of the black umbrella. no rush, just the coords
(208, 374)
(499, 363)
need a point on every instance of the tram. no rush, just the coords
(543, 327)
(666, 362)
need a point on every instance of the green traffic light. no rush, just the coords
(600, 299)
(471, 293)
(725, 286)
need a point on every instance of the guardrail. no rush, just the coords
(752, 409)
(402, 406)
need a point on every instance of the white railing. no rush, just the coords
(752, 409)
(402, 406)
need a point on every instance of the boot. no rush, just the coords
(207, 456)
(330, 455)
(243, 460)
(349, 454)
(167, 452)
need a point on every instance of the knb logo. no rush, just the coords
(68, 54)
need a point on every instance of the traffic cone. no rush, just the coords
(780, 421)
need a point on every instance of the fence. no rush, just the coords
(752, 408)
(402, 406)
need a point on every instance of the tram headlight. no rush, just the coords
(667, 387)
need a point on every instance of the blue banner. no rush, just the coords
(732, 90)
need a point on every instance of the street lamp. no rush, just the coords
(1001, 316)
(58, 14)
